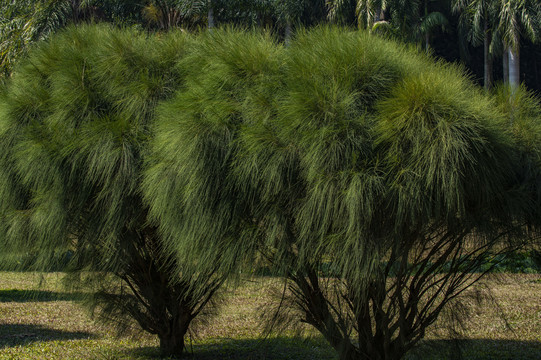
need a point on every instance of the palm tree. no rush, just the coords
(409, 20)
(168, 14)
(478, 20)
(517, 18)
(370, 12)
(431, 21)
(25, 22)
(367, 12)
(291, 12)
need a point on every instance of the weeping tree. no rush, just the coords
(75, 126)
(374, 181)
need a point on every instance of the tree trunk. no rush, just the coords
(171, 346)
(76, 9)
(172, 342)
(427, 34)
(319, 315)
(487, 80)
(211, 16)
(514, 77)
(505, 66)
(514, 68)
(287, 36)
(379, 14)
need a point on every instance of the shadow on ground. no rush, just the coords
(305, 349)
(12, 335)
(476, 349)
(281, 348)
(37, 295)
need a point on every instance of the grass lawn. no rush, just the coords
(47, 323)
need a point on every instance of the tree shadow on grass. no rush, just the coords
(283, 348)
(12, 335)
(280, 348)
(14, 295)
(476, 349)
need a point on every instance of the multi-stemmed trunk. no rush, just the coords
(172, 340)
(386, 315)
(318, 311)
(155, 293)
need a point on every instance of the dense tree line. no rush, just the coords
(496, 40)
(372, 179)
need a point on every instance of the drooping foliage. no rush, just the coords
(522, 110)
(75, 126)
(231, 78)
(344, 152)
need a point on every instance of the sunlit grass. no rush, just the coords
(40, 327)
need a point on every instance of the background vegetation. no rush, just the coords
(476, 33)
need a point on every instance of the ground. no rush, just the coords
(47, 322)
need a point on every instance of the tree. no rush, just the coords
(75, 126)
(409, 21)
(367, 14)
(517, 18)
(22, 23)
(429, 21)
(355, 156)
(169, 14)
(478, 19)
(292, 12)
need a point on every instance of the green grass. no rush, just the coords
(46, 322)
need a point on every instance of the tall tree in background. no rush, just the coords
(478, 22)
(430, 21)
(23, 23)
(410, 21)
(169, 14)
(298, 12)
(367, 12)
(516, 19)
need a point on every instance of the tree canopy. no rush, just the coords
(343, 151)
(75, 128)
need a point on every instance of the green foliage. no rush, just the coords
(342, 148)
(224, 69)
(76, 122)
(527, 262)
(518, 18)
(522, 110)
